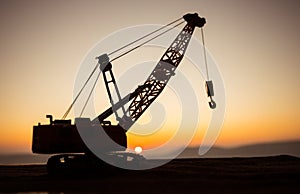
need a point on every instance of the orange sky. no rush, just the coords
(255, 43)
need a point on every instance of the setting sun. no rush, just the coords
(138, 149)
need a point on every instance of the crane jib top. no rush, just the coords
(194, 19)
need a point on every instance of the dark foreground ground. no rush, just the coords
(278, 174)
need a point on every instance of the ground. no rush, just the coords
(277, 174)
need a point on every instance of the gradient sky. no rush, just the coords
(255, 43)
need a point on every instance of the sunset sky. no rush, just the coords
(255, 43)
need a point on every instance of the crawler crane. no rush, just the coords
(62, 137)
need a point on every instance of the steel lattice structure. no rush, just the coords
(162, 73)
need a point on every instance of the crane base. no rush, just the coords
(63, 137)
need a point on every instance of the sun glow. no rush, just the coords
(138, 149)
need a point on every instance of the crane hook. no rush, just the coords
(210, 93)
(212, 104)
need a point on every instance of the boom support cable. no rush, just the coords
(88, 98)
(141, 38)
(86, 82)
(160, 34)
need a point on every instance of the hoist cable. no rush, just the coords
(88, 98)
(204, 53)
(125, 53)
(71, 106)
(149, 34)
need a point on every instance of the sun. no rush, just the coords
(138, 149)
